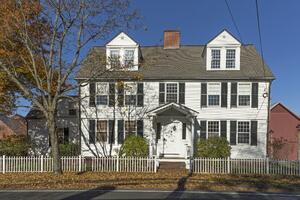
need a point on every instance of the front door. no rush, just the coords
(172, 139)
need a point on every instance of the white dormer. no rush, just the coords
(223, 52)
(123, 50)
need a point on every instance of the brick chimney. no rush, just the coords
(171, 39)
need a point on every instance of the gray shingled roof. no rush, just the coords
(185, 63)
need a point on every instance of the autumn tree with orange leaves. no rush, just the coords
(41, 49)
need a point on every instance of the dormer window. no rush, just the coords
(128, 58)
(114, 58)
(223, 52)
(230, 58)
(215, 58)
(122, 53)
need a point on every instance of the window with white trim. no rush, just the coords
(213, 94)
(130, 128)
(244, 94)
(102, 94)
(171, 92)
(230, 58)
(130, 93)
(101, 132)
(128, 58)
(215, 58)
(114, 58)
(243, 131)
(213, 129)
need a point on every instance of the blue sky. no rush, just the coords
(200, 20)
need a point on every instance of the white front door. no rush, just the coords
(173, 145)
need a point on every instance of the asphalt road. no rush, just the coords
(147, 194)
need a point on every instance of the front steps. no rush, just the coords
(171, 165)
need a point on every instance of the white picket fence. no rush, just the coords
(78, 164)
(245, 166)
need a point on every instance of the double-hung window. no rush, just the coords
(130, 128)
(102, 94)
(215, 58)
(213, 129)
(214, 93)
(128, 58)
(102, 130)
(230, 58)
(130, 93)
(115, 58)
(243, 132)
(244, 94)
(171, 92)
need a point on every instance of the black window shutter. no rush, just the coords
(92, 131)
(232, 132)
(111, 131)
(140, 127)
(158, 131)
(203, 129)
(224, 129)
(140, 94)
(183, 131)
(111, 94)
(120, 131)
(182, 93)
(203, 94)
(233, 95)
(121, 95)
(254, 133)
(224, 95)
(92, 94)
(254, 95)
(161, 93)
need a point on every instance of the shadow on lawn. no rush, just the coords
(176, 194)
(90, 194)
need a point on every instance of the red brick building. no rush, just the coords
(284, 133)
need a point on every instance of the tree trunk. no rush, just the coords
(54, 143)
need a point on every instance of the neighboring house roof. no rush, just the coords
(286, 108)
(185, 63)
(16, 123)
(35, 114)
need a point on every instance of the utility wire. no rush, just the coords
(233, 20)
(259, 33)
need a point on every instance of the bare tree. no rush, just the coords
(56, 50)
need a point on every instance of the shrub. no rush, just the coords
(214, 147)
(135, 146)
(69, 149)
(15, 145)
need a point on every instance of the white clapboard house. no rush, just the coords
(174, 95)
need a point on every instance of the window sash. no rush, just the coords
(129, 58)
(215, 58)
(213, 100)
(130, 99)
(102, 99)
(244, 94)
(230, 58)
(244, 100)
(213, 129)
(243, 132)
(130, 127)
(102, 130)
(171, 92)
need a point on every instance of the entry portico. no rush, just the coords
(174, 127)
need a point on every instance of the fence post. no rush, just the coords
(79, 163)
(228, 165)
(3, 164)
(268, 165)
(118, 163)
(155, 164)
(42, 163)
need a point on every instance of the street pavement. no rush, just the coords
(138, 194)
